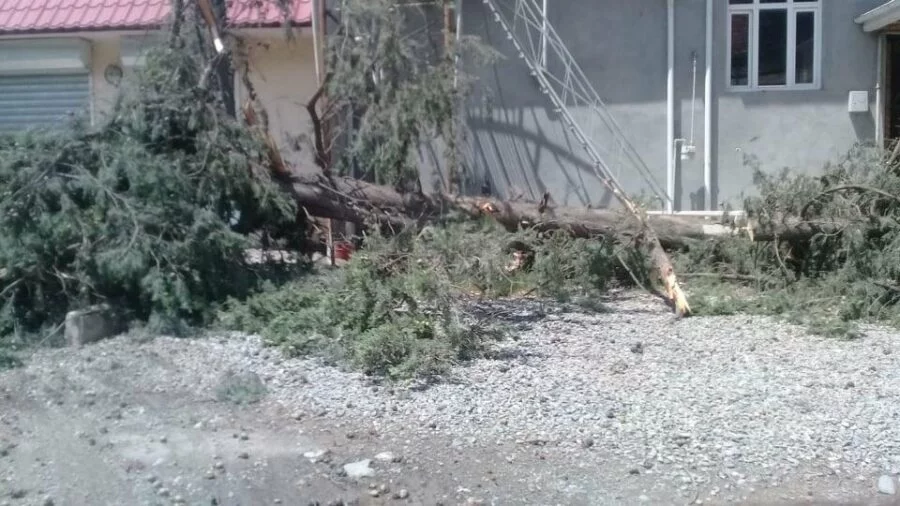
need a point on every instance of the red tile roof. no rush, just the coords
(35, 16)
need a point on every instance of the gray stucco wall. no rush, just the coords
(516, 141)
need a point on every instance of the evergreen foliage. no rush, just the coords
(403, 307)
(141, 211)
(393, 76)
(846, 273)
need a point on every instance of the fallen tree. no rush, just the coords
(358, 201)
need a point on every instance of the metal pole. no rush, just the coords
(544, 24)
(879, 93)
(670, 112)
(707, 110)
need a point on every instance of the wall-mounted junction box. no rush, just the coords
(858, 101)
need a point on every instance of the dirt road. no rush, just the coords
(146, 422)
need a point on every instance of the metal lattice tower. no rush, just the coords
(598, 132)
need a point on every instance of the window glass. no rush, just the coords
(740, 45)
(773, 47)
(805, 50)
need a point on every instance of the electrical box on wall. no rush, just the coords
(858, 101)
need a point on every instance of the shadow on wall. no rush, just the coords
(518, 143)
(511, 152)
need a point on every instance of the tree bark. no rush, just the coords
(357, 201)
(354, 200)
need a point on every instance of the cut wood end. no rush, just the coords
(682, 308)
(488, 208)
(676, 295)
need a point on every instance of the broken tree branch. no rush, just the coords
(321, 156)
(357, 201)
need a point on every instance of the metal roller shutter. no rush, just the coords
(42, 100)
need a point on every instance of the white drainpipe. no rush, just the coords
(457, 10)
(316, 22)
(544, 24)
(879, 94)
(670, 111)
(707, 110)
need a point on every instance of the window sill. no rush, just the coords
(762, 89)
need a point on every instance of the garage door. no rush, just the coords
(42, 100)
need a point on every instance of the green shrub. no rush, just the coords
(138, 212)
(846, 273)
(400, 307)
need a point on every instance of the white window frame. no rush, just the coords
(793, 8)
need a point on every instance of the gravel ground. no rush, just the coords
(625, 406)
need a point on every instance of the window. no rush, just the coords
(774, 44)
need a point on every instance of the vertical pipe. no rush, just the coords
(457, 7)
(544, 24)
(316, 41)
(879, 93)
(317, 58)
(707, 111)
(461, 106)
(670, 110)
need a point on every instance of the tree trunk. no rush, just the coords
(354, 200)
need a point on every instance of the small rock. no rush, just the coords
(374, 492)
(244, 436)
(243, 455)
(164, 492)
(48, 501)
(886, 485)
(385, 457)
(850, 384)
(178, 499)
(210, 475)
(634, 471)
(163, 440)
(92, 324)
(637, 348)
(316, 455)
(219, 465)
(359, 469)
(587, 443)
(401, 494)
(18, 493)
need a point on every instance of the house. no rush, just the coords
(62, 57)
(687, 91)
(671, 100)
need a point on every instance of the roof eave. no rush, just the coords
(880, 17)
(136, 28)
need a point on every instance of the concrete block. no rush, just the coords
(92, 324)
